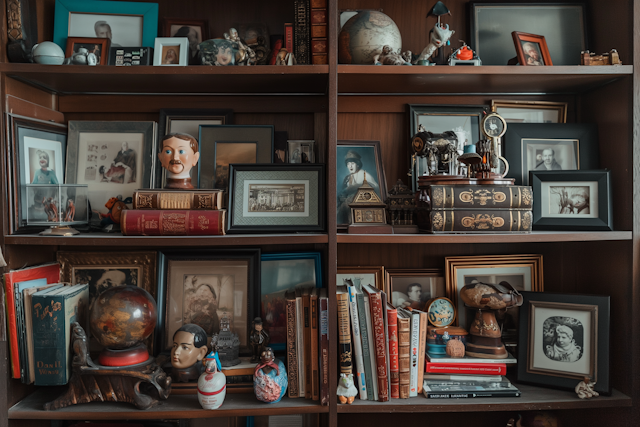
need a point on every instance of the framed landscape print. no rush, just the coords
(413, 287)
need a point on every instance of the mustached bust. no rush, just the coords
(178, 156)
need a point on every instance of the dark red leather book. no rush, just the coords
(377, 319)
(173, 223)
(394, 364)
(323, 302)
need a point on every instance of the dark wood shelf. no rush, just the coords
(262, 80)
(532, 399)
(175, 407)
(117, 239)
(495, 80)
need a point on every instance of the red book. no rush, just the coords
(394, 363)
(51, 272)
(377, 320)
(288, 37)
(274, 51)
(323, 302)
(315, 390)
(467, 368)
(172, 223)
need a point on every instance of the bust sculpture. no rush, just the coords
(179, 154)
(189, 348)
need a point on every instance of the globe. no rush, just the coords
(123, 316)
(363, 36)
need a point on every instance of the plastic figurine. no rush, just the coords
(259, 339)
(189, 348)
(212, 386)
(585, 390)
(388, 57)
(347, 391)
(270, 378)
(178, 156)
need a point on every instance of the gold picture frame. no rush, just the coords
(376, 271)
(530, 111)
(431, 281)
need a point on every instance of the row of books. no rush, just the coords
(308, 344)
(309, 32)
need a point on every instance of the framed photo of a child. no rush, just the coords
(531, 49)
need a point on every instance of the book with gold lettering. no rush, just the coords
(404, 352)
(480, 197)
(173, 222)
(178, 199)
(479, 221)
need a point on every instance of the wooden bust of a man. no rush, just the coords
(179, 154)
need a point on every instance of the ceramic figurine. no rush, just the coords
(244, 55)
(47, 53)
(585, 390)
(189, 348)
(440, 35)
(82, 57)
(347, 391)
(259, 339)
(179, 154)
(217, 52)
(50, 209)
(285, 57)
(270, 378)
(212, 386)
(388, 57)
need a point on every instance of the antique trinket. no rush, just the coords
(270, 379)
(189, 348)
(585, 390)
(226, 344)
(178, 155)
(464, 55)
(608, 58)
(441, 312)
(259, 339)
(57, 206)
(368, 213)
(438, 38)
(440, 149)
(401, 209)
(212, 386)
(347, 391)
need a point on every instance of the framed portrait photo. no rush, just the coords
(276, 198)
(413, 287)
(532, 49)
(203, 287)
(563, 339)
(98, 46)
(301, 151)
(549, 146)
(128, 24)
(282, 273)
(357, 159)
(530, 111)
(572, 200)
(196, 30)
(360, 276)
(171, 51)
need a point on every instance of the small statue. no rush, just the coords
(585, 389)
(179, 154)
(82, 57)
(50, 209)
(189, 347)
(115, 205)
(285, 57)
(259, 339)
(440, 35)
(347, 391)
(454, 348)
(71, 211)
(270, 379)
(212, 386)
(389, 57)
(244, 54)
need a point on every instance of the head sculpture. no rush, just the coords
(189, 346)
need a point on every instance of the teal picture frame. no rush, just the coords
(148, 11)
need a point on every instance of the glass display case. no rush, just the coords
(58, 206)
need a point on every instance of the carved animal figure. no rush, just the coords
(347, 391)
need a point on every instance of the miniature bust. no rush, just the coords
(178, 156)
(189, 348)
(259, 339)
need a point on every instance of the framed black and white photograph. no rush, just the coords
(272, 198)
(171, 51)
(357, 159)
(196, 30)
(113, 158)
(530, 111)
(564, 339)
(572, 200)
(413, 287)
(549, 146)
(301, 151)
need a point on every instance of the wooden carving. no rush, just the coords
(22, 29)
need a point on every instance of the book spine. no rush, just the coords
(344, 334)
(366, 349)
(465, 395)
(372, 347)
(324, 350)
(404, 356)
(357, 344)
(480, 221)
(383, 300)
(394, 364)
(319, 43)
(377, 318)
(415, 346)
(22, 333)
(480, 197)
(315, 391)
(422, 349)
(292, 354)
(300, 345)
(467, 368)
(172, 223)
(188, 200)
(307, 345)
(302, 32)
(288, 37)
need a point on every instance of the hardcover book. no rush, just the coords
(306, 316)
(404, 352)
(357, 343)
(509, 360)
(372, 347)
(469, 390)
(302, 31)
(365, 333)
(394, 367)
(173, 223)
(381, 344)
(292, 353)
(422, 339)
(315, 390)
(480, 221)
(480, 197)
(300, 343)
(178, 199)
(19, 289)
(467, 368)
(415, 347)
(344, 330)
(324, 346)
(288, 37)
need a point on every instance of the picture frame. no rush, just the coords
(583, 319)
(401, 289)
(563, 146)
(124, 23)
(98, 46)
(368, 157)
(563, 24)
(221, 145)
(27, 136)
(531, 49)
(530, 111)
(97, 156)
(188, 120)
(359, 276)
(219, 277)
(171, 52)
(564, 200)
(464, 120)
(301, 151)
(523, 272)
(253, 208)
(196, 30)
(281, 273)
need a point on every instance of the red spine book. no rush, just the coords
(323, 302)
(394, 363)
(467, 368)
(172, 223)
(377, 319)
(288, 37)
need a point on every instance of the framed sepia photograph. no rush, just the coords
(98, 46)
(196, 30)
(530, 111)
(272, 198)
(360, 276)
(572, 200)
(564, 339)
(282, 273)
(171, 51)
(549, 146)
(413, 287)
(203, 287)
(301, 151)
(531, 49)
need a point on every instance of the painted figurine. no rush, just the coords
(270, 378)
(71, 211)
(347, 391)
(178, 156)
(115, 205)
(440, 35)
(259, 339)
(585, 389)
(388, 57)
(189, 348)
(50, 209)
(212, 385)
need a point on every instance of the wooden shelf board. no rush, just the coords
(117, 239)
(266, 79)
(175, 407)
(532, 399)
(376, 79)
(533, 237)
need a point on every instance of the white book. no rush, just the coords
(463, 377)
(415, 346)
(300, 345)
(357, 344)
(372, 353)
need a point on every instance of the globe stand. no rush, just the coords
(125, 357)
(485, 336)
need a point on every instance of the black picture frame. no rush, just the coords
(311, 219)
(252, 257)
(535, 363)
(577, 143)
(601, 219)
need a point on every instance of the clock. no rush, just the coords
(493, 126)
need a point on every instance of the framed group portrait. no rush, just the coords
(413, 287)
